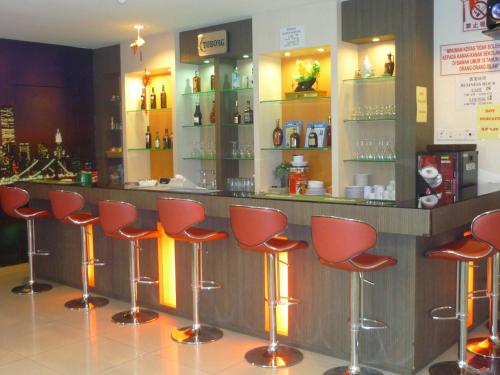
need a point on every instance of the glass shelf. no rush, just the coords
(369, 161)
(149, 149)
(201, 93)
(150, 110)
(199, 126)
(371, 79)
(241, 89)
(297, 148)
(199, 158)
(229, 125)
(364, 121)
(231, 158)
(303, 99)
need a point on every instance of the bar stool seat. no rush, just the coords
(81, 219)
(13, 201)
(465, 249)
(363, 263)
(133, 234)
(277, 245)
(178, 217)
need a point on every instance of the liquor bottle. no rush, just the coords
(153, 99)
(166, 140)
(163, 97)
(196, 82)
(143, 99)
(197, 115)
(236, 115)
(295, 138)
(212, 82)
(248, 114)
(329, 132)
(157, 140)
(212, 113)
(148, 138)
(312, 139)
(235, 79)
(277, 135)
(389, 65)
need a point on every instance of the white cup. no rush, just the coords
(298, 158)
(429, 172)
(429, 201)
(315, 184)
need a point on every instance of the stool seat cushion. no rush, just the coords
(132, 234)
(363, 263)
(277, 245)
(194, 234)
(81, 219)
(465, 249)
(31, 213)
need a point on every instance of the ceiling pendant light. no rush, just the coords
(139, 42)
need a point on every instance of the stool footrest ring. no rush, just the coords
(286, 301)
(96, 262)
(146, 280)
(41, 253)
(434, 313)
(209, 285)
(372, 324)
(476, 294)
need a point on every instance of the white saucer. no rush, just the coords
(299, 163)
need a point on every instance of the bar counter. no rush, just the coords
(402, 296)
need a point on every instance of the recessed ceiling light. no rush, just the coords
(139, 27)
(246, 56)
(287, 54)
(122, 1)
(206, 61)
(320, 50)
(376, 40)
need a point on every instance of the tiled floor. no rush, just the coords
(41, 337)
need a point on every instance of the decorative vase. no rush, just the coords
(305, 85)
(389, 65)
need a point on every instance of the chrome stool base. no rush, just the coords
(451, 368)
(484, 347)
(28, 289)
(134, 318)
(283, 356)
(344, 370)
(86, 304)
(203, 335)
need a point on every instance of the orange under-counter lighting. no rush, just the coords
(166, 269)
(470, 302)
(89, 230)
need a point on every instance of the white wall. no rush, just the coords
(448, 30)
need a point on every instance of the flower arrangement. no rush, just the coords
(306, 70)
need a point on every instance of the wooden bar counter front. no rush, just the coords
(402, 295)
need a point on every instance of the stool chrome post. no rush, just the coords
(197, 333)
(274, 355)
(489, 346)
(87, 302)
(31, 286)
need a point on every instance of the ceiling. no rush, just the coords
(97, 23)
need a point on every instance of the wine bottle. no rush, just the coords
(157, 139)
(212, 113)
(148, 138)
(295, 138)
(212, 82)
(236, 115)
(153, 99)
(143, 99)
(277, 135)
(329, 132)
(196, 82)
(165, 140)
(312, 139)
(248, 114)
(197, 115)
(163, 97)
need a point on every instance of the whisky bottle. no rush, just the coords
(196, 82)
(236, 115)
(329, 132)
(212, 82)
(153, 99)
(157, 140)
(197, 115)
(143, 99)
(248, 114)
(148, 138)
(165, 140)
(312, 139)
(212, 113)
(295, 138)
(277, 135)
(163, 97)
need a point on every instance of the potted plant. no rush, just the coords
(305, 74)
(281, 173)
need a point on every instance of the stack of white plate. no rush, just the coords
(299, 163)
(315, 191)
(354, 191)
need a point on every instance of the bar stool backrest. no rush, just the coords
(177, 215)
(65, 203)
(338, 240)
(486, 228)
(115, 215)
(253, 226)
(13, 198)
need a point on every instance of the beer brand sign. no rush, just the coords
(213, 43)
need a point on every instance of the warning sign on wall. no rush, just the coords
(474, 14)
(470, 58)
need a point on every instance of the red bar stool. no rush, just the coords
(178, 217)
(13, 202)
(462, 251)
(66, 206)
(115, 218)
(342, 244)
(256, 229)
(486, 228)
